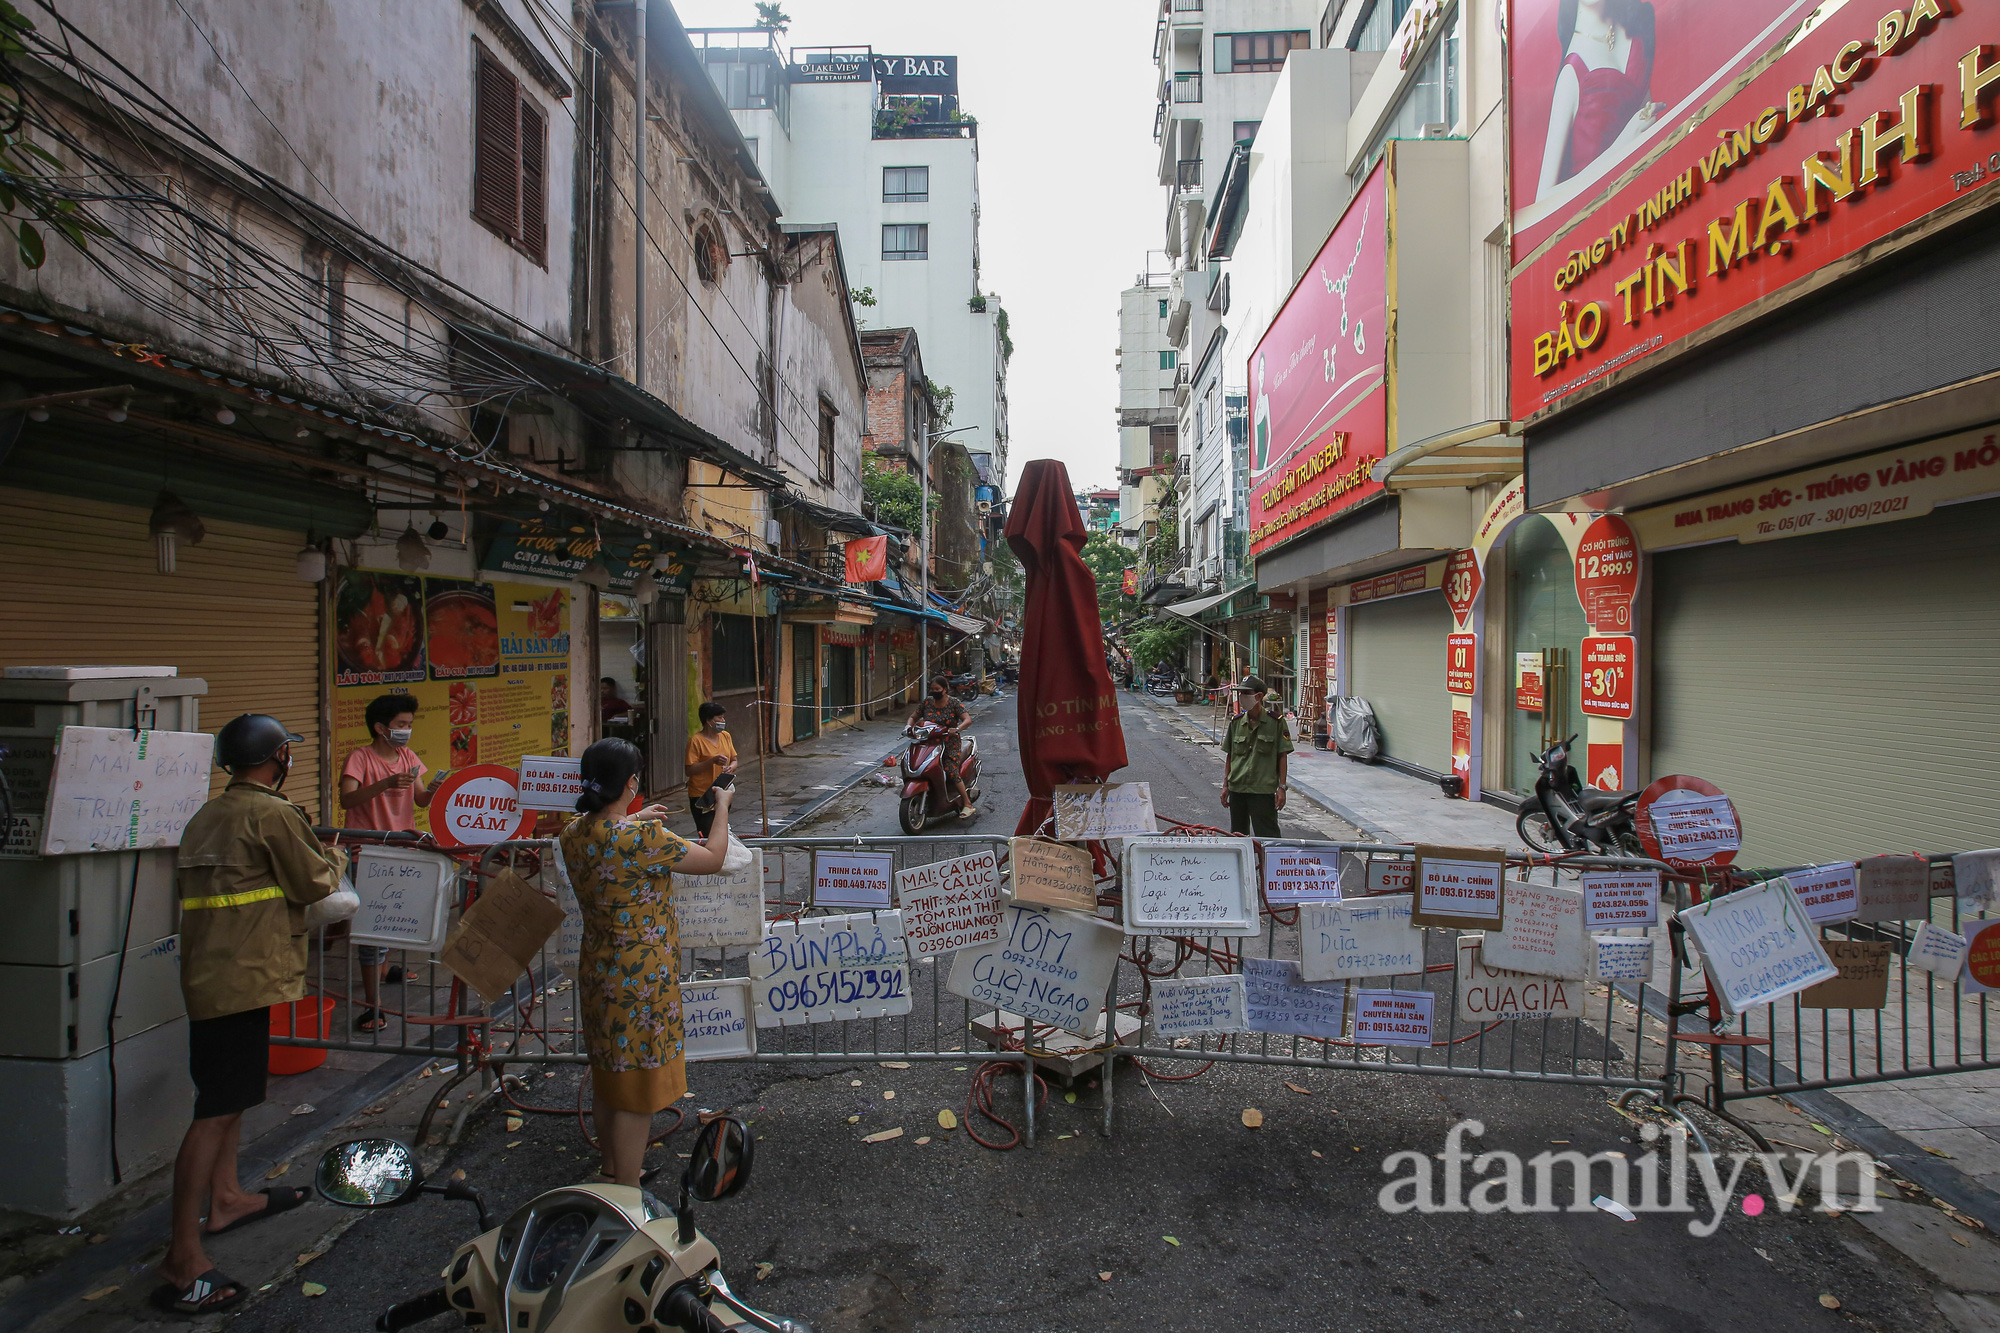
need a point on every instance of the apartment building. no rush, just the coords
(1148, 370)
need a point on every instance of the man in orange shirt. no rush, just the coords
(711, 753)
(378, 790)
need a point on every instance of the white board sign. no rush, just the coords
(721, 909)
(1758, 945)
(549, 782)
(852, 879)
(1458, 891)
(1277, 999)
(1049, 966)
(1892, 888)
(1300, 874)
(1938, 951)
(719, 1019)
(1828, 893)
(1616, 898)
(1543, 933)
(1193, 1006)
(112, 791)
(828, 968)
(404, 894)
(950, 905)
(1104, 810)
(1190, 886)
(1487, 993)
(1393, 1017)
(566, 945)
(1693, 827)
(1361, 938)
(1621, 958)
(1976, 880)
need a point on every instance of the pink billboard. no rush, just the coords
(1318, 398)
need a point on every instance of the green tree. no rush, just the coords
(1108, 562)
(1158, 641)
(26, 196)
(892, 494)
(771, 17)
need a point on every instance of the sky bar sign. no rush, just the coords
(1841, 133)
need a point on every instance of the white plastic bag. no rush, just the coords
(339, 905)
(736, 858)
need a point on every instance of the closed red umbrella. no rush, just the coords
(1067, 705)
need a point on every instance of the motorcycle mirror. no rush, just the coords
(368, 1173)
(719, 1164)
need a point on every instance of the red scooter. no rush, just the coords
(926, 794)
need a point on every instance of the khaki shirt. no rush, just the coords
(1252, 749)
(250, 865)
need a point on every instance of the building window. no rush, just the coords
(1430, 98)
(1163, 308)
(1168, 359)
(906, 185)
(1256, 52)
(826, 416)
(906, 240)
(1243, 131)
(711, 253)
(732, 654)
(1378, 26)
(510, 187)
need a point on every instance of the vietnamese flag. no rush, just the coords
(1067, 708)
(867, 559)
(1129, 585)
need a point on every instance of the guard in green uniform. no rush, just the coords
(1256, 748)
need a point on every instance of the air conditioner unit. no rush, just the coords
(1211, 568)
(1183, 576)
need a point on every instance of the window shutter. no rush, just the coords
(534, 181)
(496, 183)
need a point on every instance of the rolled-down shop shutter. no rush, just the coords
(1841, 688)
(80, 586)
(1398, 650)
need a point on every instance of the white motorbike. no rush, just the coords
(579, 1259)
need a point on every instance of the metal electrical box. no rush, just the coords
(63, 925)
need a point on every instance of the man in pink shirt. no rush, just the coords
(378, 790)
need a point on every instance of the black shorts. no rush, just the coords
(228, 1058)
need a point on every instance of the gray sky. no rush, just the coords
(1063, 90)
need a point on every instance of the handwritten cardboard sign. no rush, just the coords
(1621, 958)
(1937, 951)
(1620, 898)
(403, 898)
(1051, 874)
(500, 934)
(828, 968)
(852, 879)
(1393, 1017)
(1104, 810)
(1051, 967)
(1863, 982)
(549, 782)
(1487, 993)
(1277, 999)
(719, 1019)
(1758, 945)
(1300, 874)
(566, 949)
(1829, 893)
(1893, 888)
(950, 905)
(721, 909)
(1461, 887)
(113, 790)
(1194, 1006)
(1361, 938)
(1190, 886)
(1543, 933)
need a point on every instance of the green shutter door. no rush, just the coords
(1397, 650)
(1840, 688)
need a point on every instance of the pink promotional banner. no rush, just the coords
(1318, 392)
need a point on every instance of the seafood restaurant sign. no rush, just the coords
(1839, 135)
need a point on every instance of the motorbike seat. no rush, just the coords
(1605, 800)
(968, 745)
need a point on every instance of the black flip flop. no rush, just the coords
(280, 1200)
(207, 1294)
(394, 976)
(368, 1021)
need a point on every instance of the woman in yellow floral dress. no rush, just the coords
(619, 859)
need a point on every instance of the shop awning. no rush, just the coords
(1468, 456)
(1194, 606)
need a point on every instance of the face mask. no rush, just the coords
(719, 725)
(400, 736)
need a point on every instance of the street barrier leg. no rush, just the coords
(1028, 1091)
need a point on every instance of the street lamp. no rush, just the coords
(924, 565)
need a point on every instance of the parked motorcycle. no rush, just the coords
(926, 794)
(1566, 816)
(576, 1259)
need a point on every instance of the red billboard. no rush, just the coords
(1318, 399)
(1847, 130)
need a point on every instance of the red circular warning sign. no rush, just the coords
(478, 805)
(1607, 574)
(1461, 584)
(1688, 822)
(1982, 957)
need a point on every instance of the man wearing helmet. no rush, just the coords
(249, 867)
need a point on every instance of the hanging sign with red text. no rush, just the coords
(479, 805)
(1461, 656)
(1607, 573)
(1688, 822)
(1462, 580)
(1606, 679)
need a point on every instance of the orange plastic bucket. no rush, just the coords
(300, 1018)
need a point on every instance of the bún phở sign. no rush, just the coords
(824, 969)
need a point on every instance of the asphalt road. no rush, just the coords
(1183, 1219)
